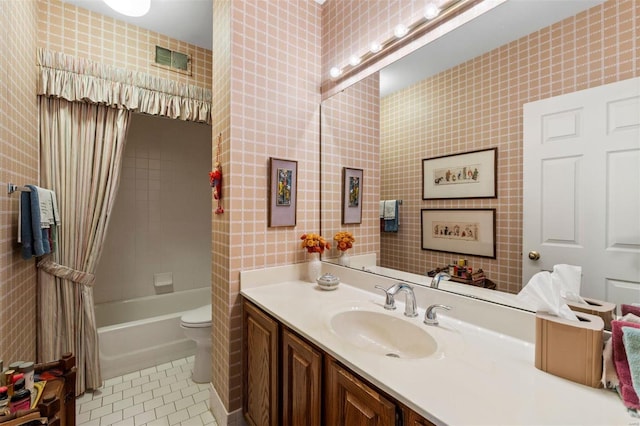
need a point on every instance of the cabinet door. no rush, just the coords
(300, 382)
(260, 390)
(350, 402)
(414, 419)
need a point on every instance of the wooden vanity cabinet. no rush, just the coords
(289, 381)
(295, 388)
(414, 419)
(301, 382)
(260, 402)
(351, 402)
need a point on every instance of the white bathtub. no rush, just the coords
(140, 333)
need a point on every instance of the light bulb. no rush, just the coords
(431, 11)
(400, 30)
(375, 47)
(335, 72)
(133, 8)
(354, 60)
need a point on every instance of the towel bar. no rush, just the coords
(11, 188)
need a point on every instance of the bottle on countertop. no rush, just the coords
(21, 399)
(28, 369)
(15, 365)
(4, 400)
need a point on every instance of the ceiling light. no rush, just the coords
(400, 30)
(335, 72)
(354, 60)
(133, 8)
(375, 47)
(431, 11)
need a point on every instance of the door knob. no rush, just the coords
(534, 255)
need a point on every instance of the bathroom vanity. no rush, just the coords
(338, 357)
(312, 385)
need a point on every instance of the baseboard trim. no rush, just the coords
(220, 413)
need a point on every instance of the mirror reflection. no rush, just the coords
(475, 103)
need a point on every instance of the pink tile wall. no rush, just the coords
(351, 138)
(269, 71)
(79, 32)
(19, 155)
(349, 26)
(220, 224)
(478, 105)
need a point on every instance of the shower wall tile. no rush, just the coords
(19, 164)
(159, 226)
(477, 105)
(79, 32)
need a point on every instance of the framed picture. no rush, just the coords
(351, 195)
(283, 187)
(469, 175)
(460, 231)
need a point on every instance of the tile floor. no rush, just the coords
(163, 395)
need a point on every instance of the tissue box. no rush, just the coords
(570, 349)
(605, 310)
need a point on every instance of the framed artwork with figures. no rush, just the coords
(468, 175)
(461, 231)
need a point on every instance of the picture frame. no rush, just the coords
(351, 195)
(283, 190)
(466, 175)
(461, 231)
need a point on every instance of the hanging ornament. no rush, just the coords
(215, 177)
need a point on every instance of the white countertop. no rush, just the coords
(476, 376)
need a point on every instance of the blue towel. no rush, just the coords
(631, 340)
(391, 225)
(40, 235)
(26, 235)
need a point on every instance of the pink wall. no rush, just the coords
(351, 138)
(79, 32)
(19, 164)
(478, 105)
(270, 74)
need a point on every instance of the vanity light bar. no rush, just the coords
(434, 16)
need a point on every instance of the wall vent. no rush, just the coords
(174, 61)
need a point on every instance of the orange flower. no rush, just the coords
(344, 239)
(314, 243)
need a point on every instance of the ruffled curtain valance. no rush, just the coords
(82, 80)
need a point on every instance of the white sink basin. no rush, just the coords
(383, 334)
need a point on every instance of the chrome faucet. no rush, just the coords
(435, 281)
(410, 306)
(430, 317)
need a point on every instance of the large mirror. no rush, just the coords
(461, 93)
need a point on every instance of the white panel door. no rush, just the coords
(581, 190)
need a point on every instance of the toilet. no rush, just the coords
(197, 327)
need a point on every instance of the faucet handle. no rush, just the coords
(430, 317)
(389, 303)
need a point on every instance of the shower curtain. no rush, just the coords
(84, 110)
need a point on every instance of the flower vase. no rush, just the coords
(314, 267)
(344, 259)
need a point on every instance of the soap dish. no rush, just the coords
(328, 281)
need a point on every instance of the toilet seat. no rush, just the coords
(197, 318)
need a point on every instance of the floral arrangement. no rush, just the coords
(345, 240)
(314, 243)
